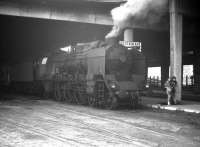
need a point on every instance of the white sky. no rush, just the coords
(154, 71)
(44, 60)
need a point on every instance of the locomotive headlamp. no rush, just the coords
(113, 85)
(147, 85)
(67, 49)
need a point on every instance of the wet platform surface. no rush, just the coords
(26, 122)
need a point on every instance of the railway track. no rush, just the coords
(105, 133)
(80, 125)
(36, 130)
(113, 120)
(102, 132)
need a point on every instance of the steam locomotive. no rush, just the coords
(97, 73)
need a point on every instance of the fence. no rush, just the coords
(154, 81)
(192, 82)
(189, 82)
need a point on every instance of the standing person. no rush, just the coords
(170, 86)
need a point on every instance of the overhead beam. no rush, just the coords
(79, 14)
(65, 12)
(103, 1)
(96, 1)
(69, 1)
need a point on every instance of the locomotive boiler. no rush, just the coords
(98, 73)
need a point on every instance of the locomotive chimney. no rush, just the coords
(128, 34)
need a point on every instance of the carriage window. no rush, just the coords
(44, 60)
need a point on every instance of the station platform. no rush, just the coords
(161, 103)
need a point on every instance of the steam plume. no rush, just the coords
(134, 11)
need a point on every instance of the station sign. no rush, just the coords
(132, 45)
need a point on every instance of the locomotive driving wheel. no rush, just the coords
(135, 100)
(57, 92)
(63, 91)
(69, 96)
(111, 102)
(91, 100)
(69, 92)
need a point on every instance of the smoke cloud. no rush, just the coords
(135, 12)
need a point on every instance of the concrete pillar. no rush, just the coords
(176, 45)
(128, 34)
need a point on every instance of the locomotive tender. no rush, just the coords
(97, 73)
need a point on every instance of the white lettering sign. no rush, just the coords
(131, 44)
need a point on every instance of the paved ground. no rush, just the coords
(161, 103)
(46, 123)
